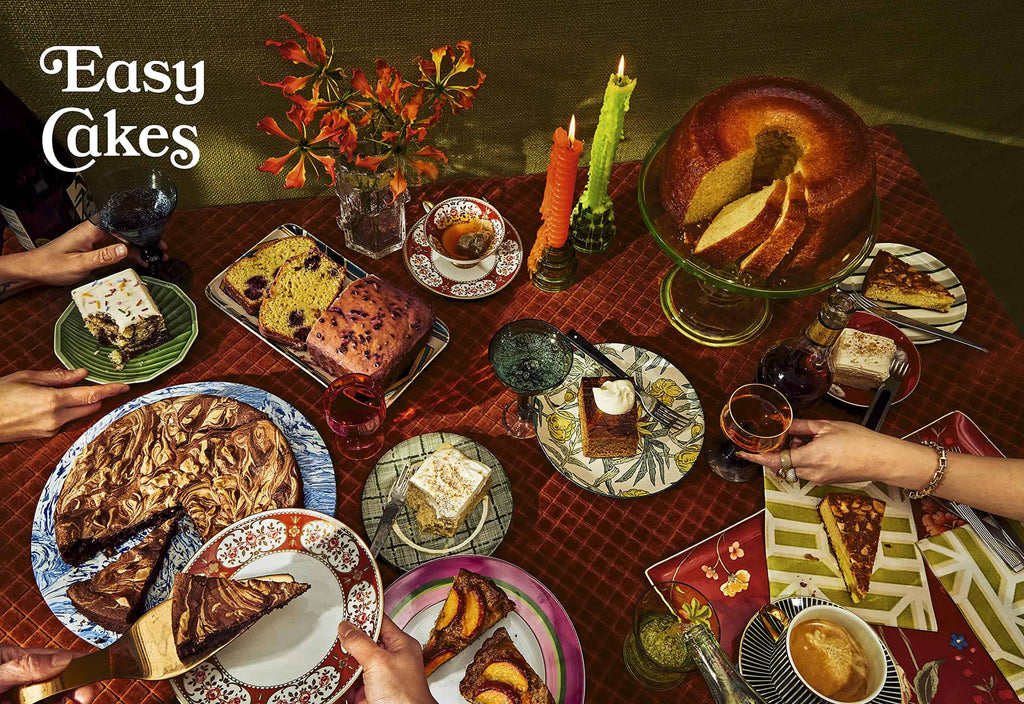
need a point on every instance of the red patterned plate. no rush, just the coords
(436, 274)
(865, 322)
(293, 654)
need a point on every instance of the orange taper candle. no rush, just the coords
(559, 191)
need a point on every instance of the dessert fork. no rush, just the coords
(869, 306)
(673, 419)
(145, 652)
(395, 503)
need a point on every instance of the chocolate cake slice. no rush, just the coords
(853, 524)
(115, 596)
(206, 612)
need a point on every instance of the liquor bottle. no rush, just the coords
(38, 200)
(726, 685)
(799, 367)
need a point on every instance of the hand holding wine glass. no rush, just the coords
(755, 419)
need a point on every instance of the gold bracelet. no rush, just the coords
(940, 472)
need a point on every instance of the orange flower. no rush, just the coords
(438, 84)
(315, 55)
(331, 126)
(735, 551)
(709, 572)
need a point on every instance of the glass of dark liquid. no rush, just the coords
(354, 409)
(530, 357)
(134, 204)
(755, 419)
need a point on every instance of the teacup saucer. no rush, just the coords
(756, 651)
(439, 275)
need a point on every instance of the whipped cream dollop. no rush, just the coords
(615, 397)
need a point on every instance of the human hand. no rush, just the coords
(38, 404)
(836, 452)
(29, 665)
(392, 671)
(71, 257)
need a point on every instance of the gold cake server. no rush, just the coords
(145, 652)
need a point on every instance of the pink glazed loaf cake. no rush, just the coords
(372, 328)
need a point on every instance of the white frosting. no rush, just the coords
(122, 296)
(451, 481)
(861, 360)
(615, 397)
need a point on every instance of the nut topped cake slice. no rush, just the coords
(209, 611)
(853, 524)
(474, 604)
(248, 280)
(118, 310)
(445, 489)
(303, 287)
(115, 596)
(499, 674)
(891, 279)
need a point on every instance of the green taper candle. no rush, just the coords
(593, 222)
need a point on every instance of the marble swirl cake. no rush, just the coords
(209, 611)
(215, 458)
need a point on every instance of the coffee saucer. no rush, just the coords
(756, 648)
(435, 273)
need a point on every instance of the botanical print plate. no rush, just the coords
(292, 654)
(436, 274)
(406, 547)
(756, 648)
(540, 627)
(800, 562)
(75, 346)
(664, 458)
(926, 264)
(987, 592)
(865, 322)
(437, 341)
(53, 575)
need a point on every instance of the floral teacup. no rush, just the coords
(464, 230)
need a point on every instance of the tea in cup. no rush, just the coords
(464, 231)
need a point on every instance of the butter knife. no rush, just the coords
(395, 503)
(885, 395)
(869, 306)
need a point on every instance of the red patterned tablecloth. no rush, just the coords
(591, 551)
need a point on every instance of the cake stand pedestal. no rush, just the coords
(723, 308)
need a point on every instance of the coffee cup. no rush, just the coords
(464, 231)
(829, 654)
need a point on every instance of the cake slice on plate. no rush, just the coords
(767, 256)
(853, 524)
(607, 434)
(303, 288)
(248, 280)
(206, 612)
(861, 360)
(891, 279)
(499, 674)
(115, 596)
(474, 604)
(741, 225)
(445, 489)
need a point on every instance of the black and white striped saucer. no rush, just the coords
(756, 648)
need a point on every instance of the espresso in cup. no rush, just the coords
(830, 660)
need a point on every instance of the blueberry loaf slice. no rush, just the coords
(248, 280)
(303, 287)
(372, 328)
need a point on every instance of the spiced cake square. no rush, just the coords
(445, 489)
(611, 431)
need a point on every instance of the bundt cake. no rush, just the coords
(770, 253)
(742, 225)
(754, 131)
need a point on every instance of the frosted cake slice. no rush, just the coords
(861, 360)
(445, 489)
(119, 311)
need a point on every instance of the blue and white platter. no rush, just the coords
(53, 575)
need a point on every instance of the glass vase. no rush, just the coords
(373, 224)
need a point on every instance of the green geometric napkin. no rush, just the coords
(988, 594)
(800, 562)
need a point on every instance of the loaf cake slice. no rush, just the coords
(741, 225)
(767, 256)
(853, 524)
(891, 279)
(248, 280)
(303, 287)
(206, 612)
(115, 596)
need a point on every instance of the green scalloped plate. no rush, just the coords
(75, 346)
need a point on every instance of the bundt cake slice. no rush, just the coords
(770, 253)
(248, 280)
(303, 288)
(741, 225)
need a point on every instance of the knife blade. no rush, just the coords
(880, 404)
(902, 320)
(390, 513)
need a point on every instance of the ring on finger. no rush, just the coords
(791, 476)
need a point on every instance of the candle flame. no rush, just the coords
(622, 66)
(572, 131)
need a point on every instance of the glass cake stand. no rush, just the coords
(723, 307)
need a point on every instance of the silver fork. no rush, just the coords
(1007, 553)
(673, 419)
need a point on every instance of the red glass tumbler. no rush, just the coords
(354, 409)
